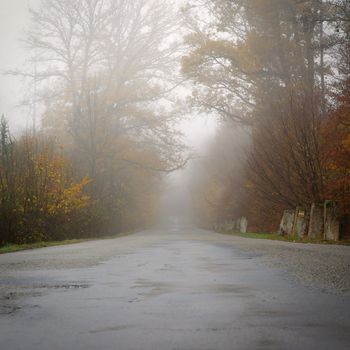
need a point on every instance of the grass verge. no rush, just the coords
(277, 237)
(11, 248)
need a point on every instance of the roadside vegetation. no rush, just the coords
(93, 163)
(278, 237)
(277, 73)
(11, 248)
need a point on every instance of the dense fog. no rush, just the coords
(120, 115)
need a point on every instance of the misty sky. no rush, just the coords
(14, 18)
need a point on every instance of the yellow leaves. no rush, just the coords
(346, 142)
(331, 166)
(255, 52)
(208, 51)
(249, 185)
(69, 199)
(57, 193)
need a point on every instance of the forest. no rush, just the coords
(114, 78)
(279, 72)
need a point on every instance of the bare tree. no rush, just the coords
(110, 62)
(108, 70)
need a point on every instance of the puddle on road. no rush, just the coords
(65, 286)
(8, 309)
(35, 283)
(111, 329)
(13, 290)
(155, 288)
(230, 288)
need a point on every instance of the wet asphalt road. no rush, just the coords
(175, 288)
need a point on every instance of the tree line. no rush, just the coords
(279, 69)
(104, 74)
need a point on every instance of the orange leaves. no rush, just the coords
(53, 190)
(65, 200)
(39, 196)
(336, 151)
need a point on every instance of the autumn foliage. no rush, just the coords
(105, 77)
(274, 66)
(40, 197)
(336, 150)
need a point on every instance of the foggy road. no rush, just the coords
(175, 288)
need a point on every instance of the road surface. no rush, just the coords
(176, 288)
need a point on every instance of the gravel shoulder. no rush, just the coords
(325, 267)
